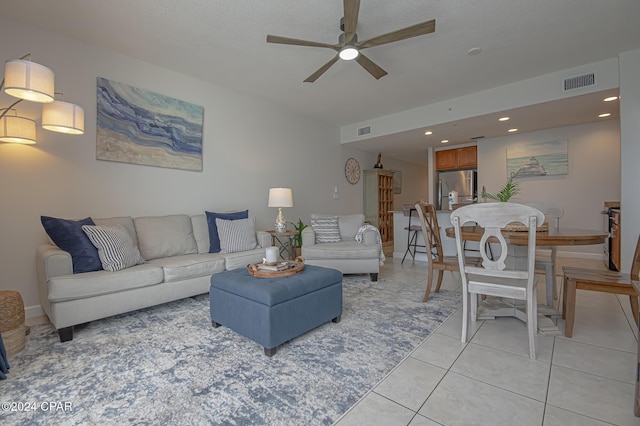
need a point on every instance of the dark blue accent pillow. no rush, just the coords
(214, 240)
(69, 236)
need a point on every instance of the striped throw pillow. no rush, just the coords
(326, 229)
(237, 235)
(115, 247)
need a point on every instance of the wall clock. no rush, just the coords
(352, 171)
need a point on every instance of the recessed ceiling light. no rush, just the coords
(444, 141)
(606, 114)
(503, 118)
(428, 132)
(611, 98)
(513, 130)
(474, 51)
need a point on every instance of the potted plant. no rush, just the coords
(299, 226)
(508, 191)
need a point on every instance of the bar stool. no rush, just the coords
(412, 238)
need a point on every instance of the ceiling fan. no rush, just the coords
(349, 47)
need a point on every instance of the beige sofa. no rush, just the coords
(178, 265)
(346, 255)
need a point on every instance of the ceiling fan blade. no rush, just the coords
(351, 10)
(313, 77)
(297, 42)
(402, 34)
(370, 66)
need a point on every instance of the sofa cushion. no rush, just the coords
(326, 229)
(69, 236)
(340, 250)
(349, 225)
(201, 232)
(165, 236)
(237, 235)
(125, 221)
(178, 268)
(214, 239)
(115, 247)
(242, 258)
(90, 284)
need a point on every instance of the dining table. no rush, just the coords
(550, 236)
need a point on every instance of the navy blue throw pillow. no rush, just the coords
(69, 236)
(214, 240)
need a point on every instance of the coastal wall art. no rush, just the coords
(537, 159)
(141, 127)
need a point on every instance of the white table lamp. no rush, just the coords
(280, 197)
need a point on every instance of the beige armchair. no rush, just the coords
(344, 253)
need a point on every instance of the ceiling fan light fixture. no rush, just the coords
(348, 53)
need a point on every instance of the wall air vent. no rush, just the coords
(364, 131)
(579, 81)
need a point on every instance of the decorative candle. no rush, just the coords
(272, 254)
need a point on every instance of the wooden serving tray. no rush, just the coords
(297, 266)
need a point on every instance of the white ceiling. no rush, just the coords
(224, 42)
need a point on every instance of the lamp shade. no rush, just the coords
(63, 117)
(17, 130)
(28, 80)
(280, 197)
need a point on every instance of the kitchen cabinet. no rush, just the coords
(615, 238)
(378, 202)
(457, 158)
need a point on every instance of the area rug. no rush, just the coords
(168, 365)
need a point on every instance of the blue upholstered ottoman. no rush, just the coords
(271, 311)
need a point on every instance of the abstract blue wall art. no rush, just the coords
(537, 159)
(141, 127)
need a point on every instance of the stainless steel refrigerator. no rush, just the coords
(465, 182)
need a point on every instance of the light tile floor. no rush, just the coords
(586, 380)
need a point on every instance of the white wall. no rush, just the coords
(249, 145)
(414, 180)
(630, 140)
(415, 185)
(593, 178)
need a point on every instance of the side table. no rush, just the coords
(286, 241)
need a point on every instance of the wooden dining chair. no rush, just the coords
(598, 280)
(495, 277)
(546, 259)
(435, 256)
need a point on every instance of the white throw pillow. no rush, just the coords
(326, 229)
(115, 247)
(237, 235)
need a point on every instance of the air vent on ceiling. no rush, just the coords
(364, 131)
(477, 137)
(579, 81)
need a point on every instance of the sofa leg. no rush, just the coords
(374, 276)
(270, 352)
(215, 324)
(337, 319)
(66, 334)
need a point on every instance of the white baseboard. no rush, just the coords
(33, 311)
